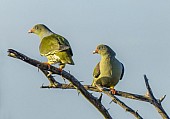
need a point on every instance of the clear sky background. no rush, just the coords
(137, 30)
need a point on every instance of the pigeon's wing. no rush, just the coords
(96, 71)
(52, 44)
(64, 44)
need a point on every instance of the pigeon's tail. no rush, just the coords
(70, 61)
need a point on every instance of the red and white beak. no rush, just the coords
(31, 31)
(95, 51)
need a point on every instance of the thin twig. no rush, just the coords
(95, 89)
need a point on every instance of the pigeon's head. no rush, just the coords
(104, 50)
(39, 29)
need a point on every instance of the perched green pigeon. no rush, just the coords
(53, 46)
(109, 70)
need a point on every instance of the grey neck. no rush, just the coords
(48, 33)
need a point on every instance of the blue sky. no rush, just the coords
(138, 31)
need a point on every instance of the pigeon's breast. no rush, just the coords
(106, 67)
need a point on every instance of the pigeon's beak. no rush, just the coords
(31, 31)
(95, 51)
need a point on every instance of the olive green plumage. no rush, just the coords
(53, 46)
(109, 70)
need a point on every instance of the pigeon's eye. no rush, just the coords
(36, 27)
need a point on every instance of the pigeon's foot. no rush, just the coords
(113, 91)
(60, 69)
(98, 87)
(48, 64)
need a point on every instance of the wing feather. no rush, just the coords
(96, 72)
(54, 43)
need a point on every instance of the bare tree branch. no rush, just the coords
(104, 90)
(50, 78)
(95, 89)
(93, 100)
(120, 103)
(146, 98)
(75, 84)
(99, 88)
(154, 101)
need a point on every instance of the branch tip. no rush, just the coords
(100, 98)
(78, 92)
(162, 98)
(145, 76)
(42, 85)
(111, 102)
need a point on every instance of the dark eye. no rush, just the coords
(36, 27)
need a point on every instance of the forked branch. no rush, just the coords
(93, 100)
(75, 84)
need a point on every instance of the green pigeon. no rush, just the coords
(53, 46)
(109, 70)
